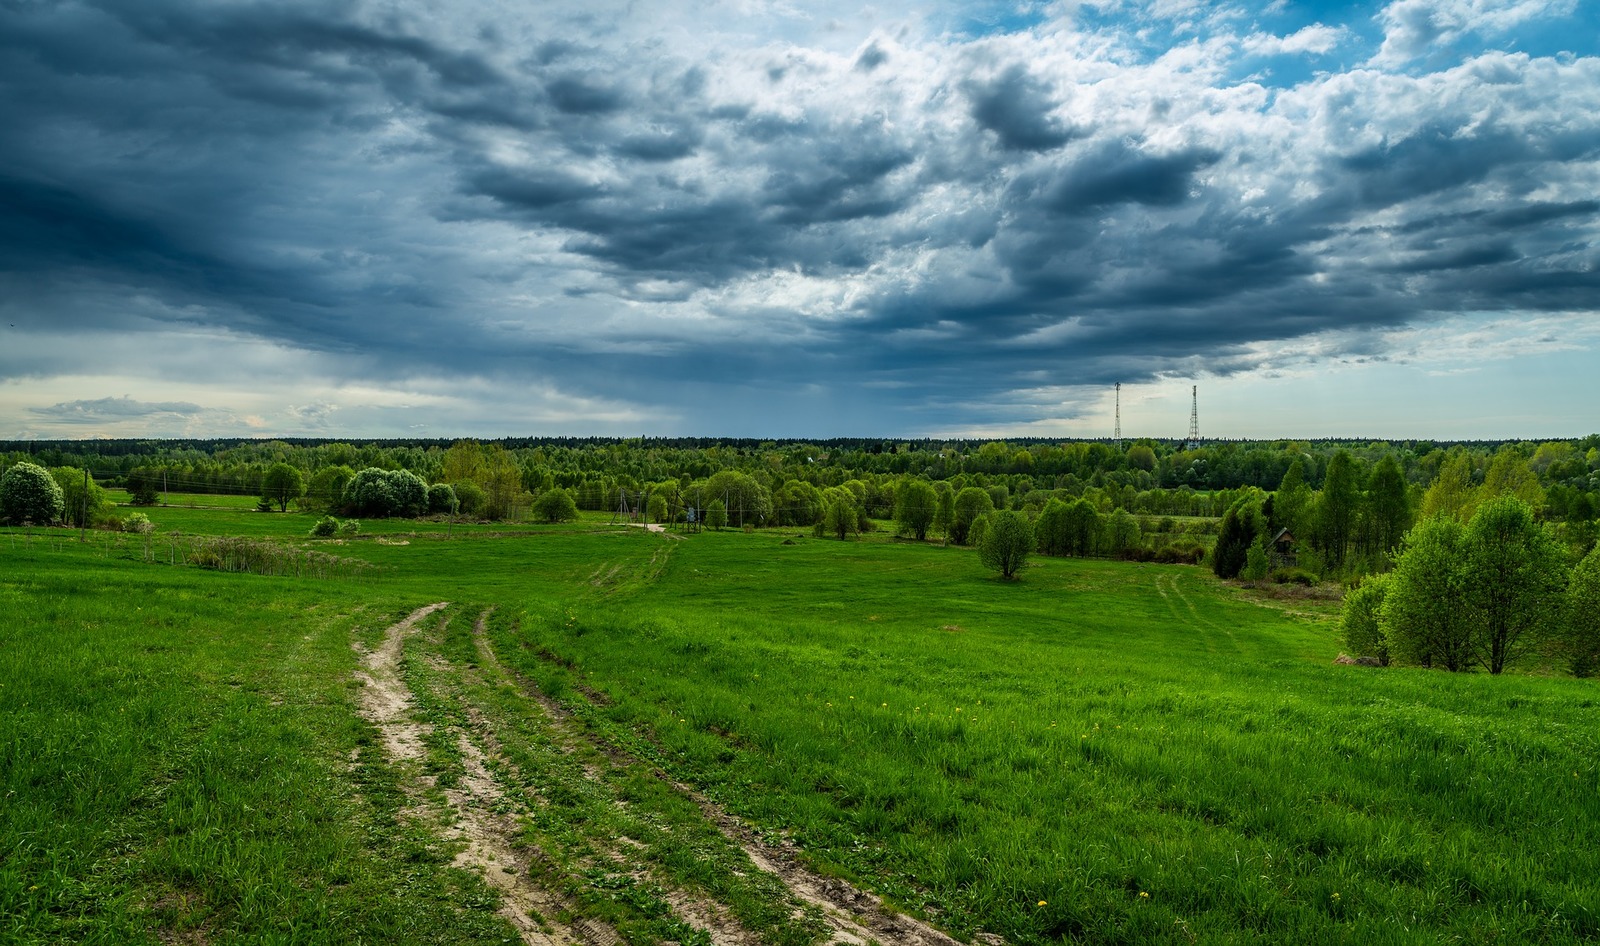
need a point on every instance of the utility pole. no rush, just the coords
(1117, 431)
(1194, 418)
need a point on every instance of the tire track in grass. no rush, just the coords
(386, 702)
(854, 917)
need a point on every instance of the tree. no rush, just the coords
(471, 499)
(442, 500)
(375, 492)
(1050, 530)
(1361, 620)
(1509, 475)
(1422, 614)
(1451, 493)
(410, 493)
(1141, 457)
(655, 508)
(142, 485)
(915, 504)
(1291, 504)
(83, 502)
(28, 493)
(838, 518)
(746, 500)
(282, 484)
(1514, 575)
(1121, 531)
(970, 503)
(1007, 540)
(1241, 525)
(1337, 508)
(1582, 631)
(1082, 528)
(1386, 514)
(555, 505)
(716, 515)
(325, 491)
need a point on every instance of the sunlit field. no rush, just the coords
(1099, 752)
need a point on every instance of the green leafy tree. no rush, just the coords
(716, 515)
(410, 493)
(143, 484)
(1122, 533)
(655, 508)
(1582, 630)
(1515, 574)
(282, 484)
(325, 490)
(747, 501)
(1386, 514)
(1509, 475)
(970, 503)
(83, 502)
(472, 501)
(1337, 509)
(1423, 616)
(1452, 492)
(28, 493)
(838, 518)
(1083, 528)
(1292, 503)
(1050, 530)
(1361, 619)
(442, 500)
(915, 505)
(369, 494)
(555, 505)
(1241, 526)
(1007, 540)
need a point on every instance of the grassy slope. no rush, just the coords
(1138, 747)
(1093, 733)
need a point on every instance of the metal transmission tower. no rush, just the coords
(1117, 431)
(1194, 419)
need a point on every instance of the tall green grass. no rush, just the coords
(176, 763)
(1147, 753)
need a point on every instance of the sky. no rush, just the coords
(396, 218)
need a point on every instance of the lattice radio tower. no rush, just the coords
(1194, 418)
(1117, 431)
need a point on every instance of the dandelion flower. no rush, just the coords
(1043, 902)
(1145, 895)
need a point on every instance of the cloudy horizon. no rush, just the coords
(374, 219)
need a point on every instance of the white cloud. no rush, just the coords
(1413, 27)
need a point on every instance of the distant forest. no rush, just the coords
(1379, 488)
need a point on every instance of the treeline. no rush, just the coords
(1146, 477)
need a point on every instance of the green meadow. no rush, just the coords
(1101, 752)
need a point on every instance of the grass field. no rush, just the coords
(1101, 752)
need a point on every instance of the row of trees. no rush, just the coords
(1151, 477)
(1480, 594)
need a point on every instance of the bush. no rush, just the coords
(325, 527)
(375, 492)
(1361, 620)
(349, 527)
(556, 505)
(442, 500)
(471, 498)
(138, 523)
(28, 493)
(1294, 576)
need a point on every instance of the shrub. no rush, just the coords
(442, 500)
(349, 527)
(1361, 620)
(556, 505)
(28, 493)
(1294, 576)
(325, 527)
(138, 523)
(471, 498)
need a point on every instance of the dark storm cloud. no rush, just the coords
(545, 198)
(1016, 107)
